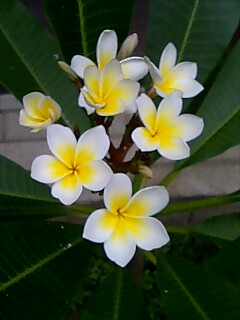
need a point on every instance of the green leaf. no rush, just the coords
(78, 23)
(43, 265)
(16, 182)
(226, 227)
(221, 113)
(22, 197)
(28, 62)
(226, 263)
(14, 208)
(189, 291)
(200, 29)
(117, 298)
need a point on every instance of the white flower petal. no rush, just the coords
(143, 140)
(121, 247)
(31, 102)
(154, 72)
(79, 63)
(67, 190)
(131, 108)
(176, 150)
(95, 175)
(147, 202)
(62, 143)
(95, 142)
(128, 46)
(147, 111)
(83, 104)
(49, 108)
(189, 87)
(134, 68)
(170, 106)
(192, 126)
(48, 169)
(148, 233)
(110, 75)
(184, 70)
(118, 192)
(26, 121)
(168, 59)
(91, 79)
(100, 225)
(106, 47)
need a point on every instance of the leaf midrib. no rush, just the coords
(188, 30)
(23, 60)
(118, 294)
(82, 28)
(185, 290)
(36, 266)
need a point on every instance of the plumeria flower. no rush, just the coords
(39, 111)
(133, 68)
(170, 76)
(126, 221)
(106, 91)
(74, 164)
(165, 130)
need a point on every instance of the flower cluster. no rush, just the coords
(111, 87)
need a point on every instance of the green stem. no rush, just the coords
(200, 204)
(168, 179)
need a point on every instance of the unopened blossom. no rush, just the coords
(165, 130)
(134, 68)
(126, 221)
(39, 111)
(170, 76)
(106, 91)
(73, 164)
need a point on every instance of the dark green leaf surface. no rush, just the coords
(16, 182)
(200, 29)
(14, 208)
(189, 292)
(42, 267)
(117, 298)
(28, 62)
(226, 227)
(78, 23)
(226, 263)
(221, 113)
(22, 197)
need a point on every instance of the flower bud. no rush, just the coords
(128, 46)
(145, 171)
(68, 70)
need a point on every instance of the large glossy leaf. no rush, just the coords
(22, 197)
(221, 113)
(28, 62)
(116, 298)
(189, 291)
(200, 29)
(42, 267)
(226, 263)
(225, 227)
(78, 23)
(16, 182)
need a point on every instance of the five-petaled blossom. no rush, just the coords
(170, 76)
(165, 130)
(39, 111)
(133, 68)
(107, 91)
(126, 221)
(74, 164)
